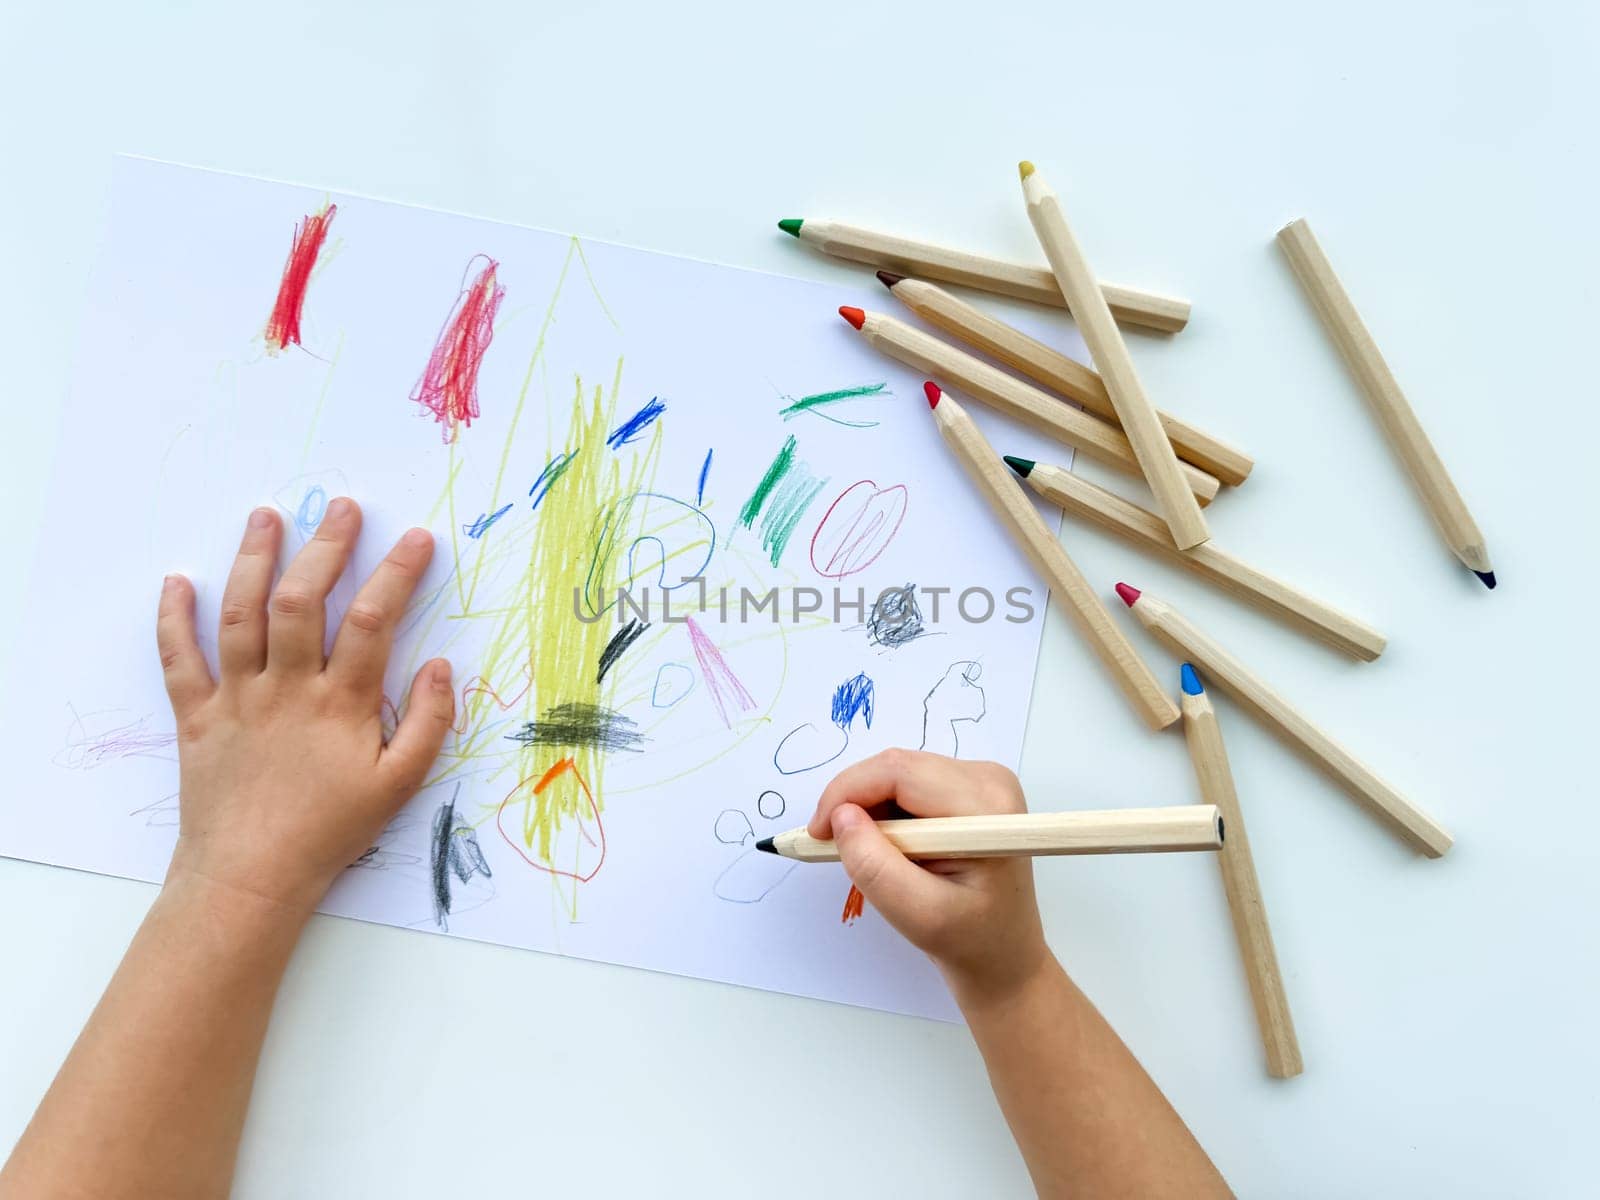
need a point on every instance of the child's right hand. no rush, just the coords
(977, 918)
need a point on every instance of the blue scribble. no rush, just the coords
(635, 425)
(850, 698)
(705, 469)
(553, 470)
(481, 526)
(309, 515)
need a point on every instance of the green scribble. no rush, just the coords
(789, 504)
(814, 403)
(779, 468)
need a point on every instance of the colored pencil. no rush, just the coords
(1138, 417)
(1055, 370)
(1239, 882)
(1098, 439)
(1019, 280)
(1044, 550)
(1029, 835)
(1389, 403)
(1238, 681)
(1083, 499)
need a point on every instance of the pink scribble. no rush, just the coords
(720, 679)
(85, 750)
(857, 528)
(449, 385)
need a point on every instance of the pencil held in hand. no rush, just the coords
(1014, 835)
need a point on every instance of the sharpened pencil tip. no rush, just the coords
(1191, 681)
(1024, 168)
(1022, 466)
(766, 847)
(854, 315)
(1487, 577)
(1130, 595)
(889, 278)
(932, 392)
(791, 225)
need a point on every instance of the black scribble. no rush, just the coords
(770, 804)
(954, 699)
(620, 641)
(895, 618)
(455, 852)
(381, 856)
(732, 827)
(580, 724)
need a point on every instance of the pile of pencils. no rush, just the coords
(1106, 415)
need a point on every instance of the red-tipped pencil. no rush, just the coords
(1253, 694)
(1149, 699)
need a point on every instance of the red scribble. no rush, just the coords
(857, 528)
(449, 385)
(854, 905)
(283, 326)
(565, 766)
(479, 686)
(720, 679)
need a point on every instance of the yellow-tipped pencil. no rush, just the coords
(1138, 416)
(1239, 881)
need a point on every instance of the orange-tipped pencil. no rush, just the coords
(1138, 416)
(1149, 699)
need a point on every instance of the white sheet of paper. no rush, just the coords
(181, 420)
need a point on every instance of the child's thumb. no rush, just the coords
(902, 891)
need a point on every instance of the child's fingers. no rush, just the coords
(183, 666)
(299, 622)
(242, 631)
(925, 785)
(361, 648)
(906, 894)
(421, 733)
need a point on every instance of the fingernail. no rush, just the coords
(441, 673)
(340, 507)
(847, 816)
(418, 538)
(168, 583)
(260, 518)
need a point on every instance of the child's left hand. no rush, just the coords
(285, 778)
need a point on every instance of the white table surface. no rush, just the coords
(1445, 154)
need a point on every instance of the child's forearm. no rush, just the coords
(152, 1099)
(1087, 1118)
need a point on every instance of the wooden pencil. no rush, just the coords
(1044, 550)
(1248, 689)
(1239, 882)
(1019, 280)
(1138, 417)
(1092, 503)
(1055, 370)
(1029, 835)
(1389, 403)
(1098, 439)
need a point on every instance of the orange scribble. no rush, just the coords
(543, 819)
(854, 905)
